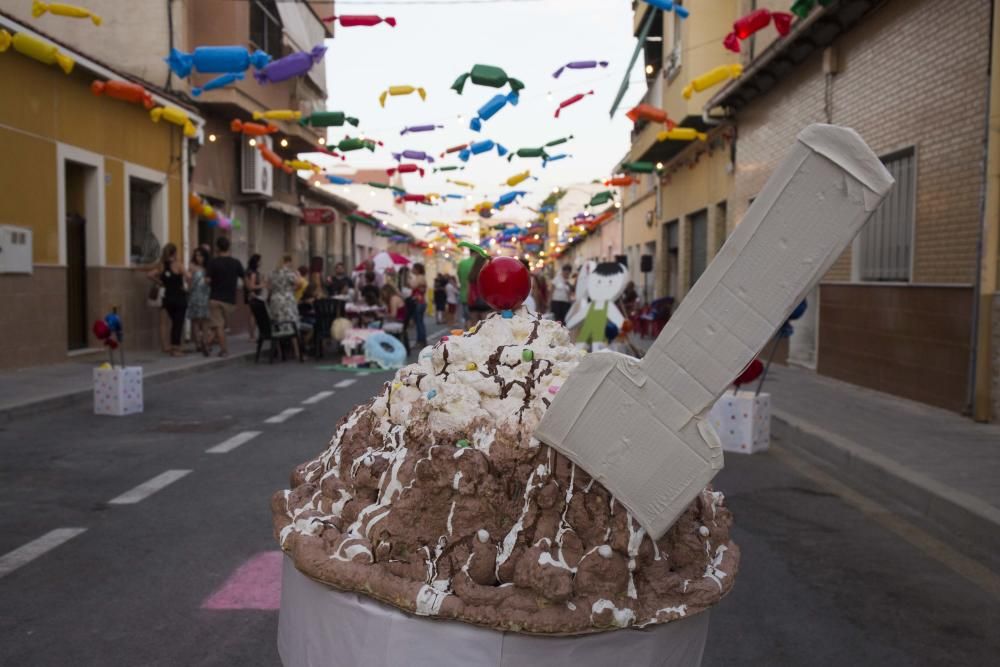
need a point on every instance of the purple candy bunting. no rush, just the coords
(290, 66)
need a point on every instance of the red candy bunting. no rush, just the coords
(355, 20)
(406, 169)
(572, 100)
(753, 22)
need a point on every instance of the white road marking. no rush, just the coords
(283, 415)
(316, 398)
(233, 442)
(32, 550)
(345, 383)
(148, 488)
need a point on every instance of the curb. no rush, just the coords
(39, 406)
(857, 466)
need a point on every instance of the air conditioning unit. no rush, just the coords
(257, 174)
(15, 249)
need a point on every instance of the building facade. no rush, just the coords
(898, 312)
(99, 187)
(677, 217)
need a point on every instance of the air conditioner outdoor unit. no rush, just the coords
(257, 177)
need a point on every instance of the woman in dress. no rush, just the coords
(253, 286)
(282, 308)
(418, 283)
(169, 274)
(197, 309)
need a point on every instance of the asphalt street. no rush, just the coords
(146, 540)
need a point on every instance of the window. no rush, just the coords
(673, 62)
(698, 224)
(144, 247)
(265, 26)
(885, 242)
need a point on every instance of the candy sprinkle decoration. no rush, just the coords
(527, 355)
(431, 394)
(463, 443)
(471, 366)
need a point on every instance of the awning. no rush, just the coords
(651, 15)
(281, 207)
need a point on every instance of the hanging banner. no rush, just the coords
(318, 216)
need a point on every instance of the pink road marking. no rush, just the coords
(256, 584)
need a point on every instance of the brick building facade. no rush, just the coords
(896, 312)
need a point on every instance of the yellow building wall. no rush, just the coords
(114, 204)
(29, 198)
(701, 50)
(49, 107)
(686, 192)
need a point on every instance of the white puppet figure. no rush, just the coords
(597, 288)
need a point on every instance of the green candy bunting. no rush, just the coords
(353, 144)
(486, 75)
(328, 119)
(638, 167)
(601, 198)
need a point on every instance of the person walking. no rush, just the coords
(283, 308)
(440, 297)
(253, 286)
(224, 273)
(169, 274)
(451, 297)
(418, 283)
(562, 294)
(197, 308)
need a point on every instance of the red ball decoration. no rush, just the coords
(504, 283)
(101, 330)
(750, 373)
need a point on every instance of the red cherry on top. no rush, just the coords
(504, 283)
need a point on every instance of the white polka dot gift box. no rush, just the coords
(118, 391)
(743, 421)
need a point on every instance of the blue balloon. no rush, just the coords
(610, 331)
(799, 311)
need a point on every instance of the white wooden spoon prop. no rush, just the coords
(640, 427)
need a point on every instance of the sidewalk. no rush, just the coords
(941, 464)
(36, 389)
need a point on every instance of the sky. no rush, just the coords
(435, 41)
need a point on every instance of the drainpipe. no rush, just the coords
(989, 244)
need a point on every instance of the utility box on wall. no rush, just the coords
(15, 249)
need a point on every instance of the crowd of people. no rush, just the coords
(205, 294)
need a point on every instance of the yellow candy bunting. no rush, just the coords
(712, 78)
(33, 47)
(62, 9)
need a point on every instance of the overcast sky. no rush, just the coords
(434, 42)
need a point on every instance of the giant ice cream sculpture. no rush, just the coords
(437, 497)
